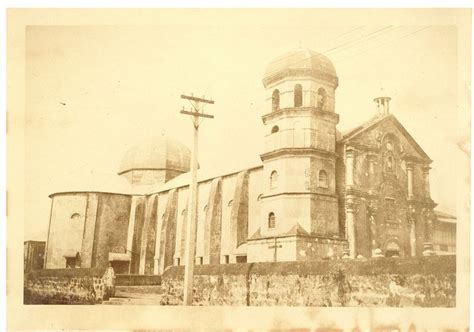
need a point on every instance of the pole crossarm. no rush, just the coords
(197, 99)
(198, 114)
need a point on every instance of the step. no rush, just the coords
(132, 301)
(129, 295)
(139, 289)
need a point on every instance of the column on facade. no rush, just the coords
(373, 228)
(411, 223)
(350, 166)
(351, 238)
(410, 180)
(428, 232)
(426, 177)
(412, 238)
(371, 160)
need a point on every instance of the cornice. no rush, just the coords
(297, 152)
(298, 72)
(289, 111)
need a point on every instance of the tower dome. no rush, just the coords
(301, 62)
(155, 161)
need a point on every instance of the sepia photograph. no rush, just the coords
(281, 161)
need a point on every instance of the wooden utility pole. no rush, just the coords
(196, 113)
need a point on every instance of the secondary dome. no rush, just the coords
(159, 153)
(302, 62)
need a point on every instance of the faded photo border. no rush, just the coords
(86, 317)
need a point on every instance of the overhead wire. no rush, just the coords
(364, 37)
(369, 40)
(357, 40)
(383, 44)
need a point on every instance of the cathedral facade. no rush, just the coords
(318, 193)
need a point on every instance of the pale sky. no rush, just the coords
(121, 85)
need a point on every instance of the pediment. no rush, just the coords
(374, 132)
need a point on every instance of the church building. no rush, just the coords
(318, 193)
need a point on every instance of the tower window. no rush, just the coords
(323, 179)
(75, 216)
(275, 100)
(322, 97)
(230, 203)
(271, 220)
(275, 129)
(298, 95)
(273, 179)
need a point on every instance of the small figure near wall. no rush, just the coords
(109, 282)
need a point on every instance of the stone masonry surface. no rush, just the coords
(394, 282)
(64, 286)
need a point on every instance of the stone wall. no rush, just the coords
(64, 286)
(385, 282)
(137, 280)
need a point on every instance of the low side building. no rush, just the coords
(33, 255)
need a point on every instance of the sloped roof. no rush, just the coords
(204, 174)
(297, 230)
(92, 182)
(351, 134)
(444, 217)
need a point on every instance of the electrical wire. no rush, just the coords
(383, 44)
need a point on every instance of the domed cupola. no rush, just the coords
(302, 62)
(301, 78)
(154, 161)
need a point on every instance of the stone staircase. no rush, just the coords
(136, 295)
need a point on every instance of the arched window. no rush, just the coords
(323, 179)
(275, 100)
(75, 216)
(259, 198)
(298, 95)
(273, 179)
(205, 208)
(230, 203)
(275, 129)
(183, 212)
(322, 97)
(271, 220)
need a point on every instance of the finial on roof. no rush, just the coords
(382, 105)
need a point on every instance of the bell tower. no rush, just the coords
(299, 206)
